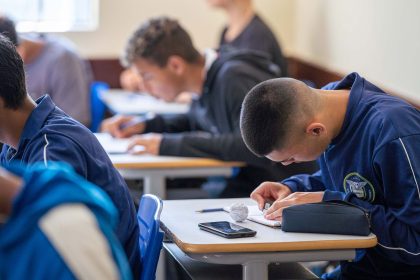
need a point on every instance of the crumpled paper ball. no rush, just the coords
(238, 212)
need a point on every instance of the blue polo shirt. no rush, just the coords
(374, 162)
(51, 135)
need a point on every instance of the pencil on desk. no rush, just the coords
(209, 210)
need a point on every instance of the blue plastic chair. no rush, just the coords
(97, 106)
(151, 237)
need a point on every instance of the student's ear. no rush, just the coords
(316, 129)
(176, 64)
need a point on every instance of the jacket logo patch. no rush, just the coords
(360, 186)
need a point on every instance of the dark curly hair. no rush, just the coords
(156, 40)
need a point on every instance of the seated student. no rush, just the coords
(367, 145)
(41, 132)
(163, 54)
(246, 30)
(53, 67)
(58, 226)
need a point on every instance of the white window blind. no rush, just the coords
(52, 15)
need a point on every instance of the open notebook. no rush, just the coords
(256, 215)
(113, 145)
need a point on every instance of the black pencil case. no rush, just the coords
(332, 217)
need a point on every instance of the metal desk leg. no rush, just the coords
(255, 270)
(155, 183)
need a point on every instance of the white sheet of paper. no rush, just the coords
(113, 145)
(255, 215)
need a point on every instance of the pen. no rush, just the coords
(138, 119)
(266, 206)
(209, 210)
(133, 121)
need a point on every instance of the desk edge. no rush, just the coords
(177, 164)
(272, 247)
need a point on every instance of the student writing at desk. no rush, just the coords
(163, 54)
(367, 145)
(40, 132)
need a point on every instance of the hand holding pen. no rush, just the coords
(123, 126)
(270, 191)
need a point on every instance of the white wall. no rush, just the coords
(118, 18)
(378, 38)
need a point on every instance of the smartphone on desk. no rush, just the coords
(227, 229)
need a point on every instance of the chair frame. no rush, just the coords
(150, 256)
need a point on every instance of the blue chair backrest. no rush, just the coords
(151, 237)
(97, 106)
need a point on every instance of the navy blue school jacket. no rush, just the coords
(374, 162)
(51, 135)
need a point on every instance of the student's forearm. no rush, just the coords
(305, 182)
(227, 147)
(397, 230)
(168, 124)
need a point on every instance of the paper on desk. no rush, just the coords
(113, 145)
(256, 215)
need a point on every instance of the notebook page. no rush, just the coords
(114, 145)
(255, 215)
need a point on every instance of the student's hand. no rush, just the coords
(269, 191)
(131, 81)
(122, 126)
(184, 97)
(275, 212)
(150, 142)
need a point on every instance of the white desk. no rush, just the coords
(254, 253)
(155, 169)
(129, 103)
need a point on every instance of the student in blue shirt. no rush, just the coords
(41, 132)
(58, 226)
(365, 142)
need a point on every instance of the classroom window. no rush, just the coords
(52, 15)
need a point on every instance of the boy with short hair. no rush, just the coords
(367, 145)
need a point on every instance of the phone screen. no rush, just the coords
(227, 229)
